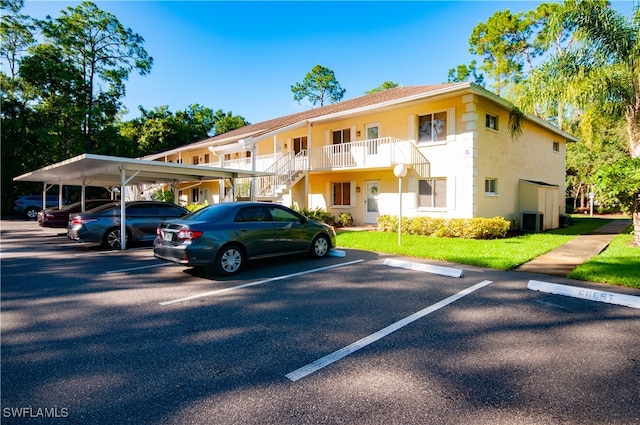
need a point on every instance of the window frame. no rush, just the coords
(441, 138)
(488, 121)
(343, 139)
(491, 183)
(435, 199)
(300, 144)
(372, 143)
(345, 187)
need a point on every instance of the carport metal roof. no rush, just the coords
(101, 170)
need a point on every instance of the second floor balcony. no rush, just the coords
(365, 154)
(374, 153)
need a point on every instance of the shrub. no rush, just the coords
(320, 215)
(165, 195)
(388, 223)
(469, 228)
(196, 206)
(345, 219)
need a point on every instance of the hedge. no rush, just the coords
(468, 228)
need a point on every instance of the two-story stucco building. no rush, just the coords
(454, 139)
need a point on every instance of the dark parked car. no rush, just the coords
(226, 235)
(102, 224)
(60, 218)
(29, 205)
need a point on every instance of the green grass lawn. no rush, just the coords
(618, 265)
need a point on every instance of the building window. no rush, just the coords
(556, 146)
(373, 134)
(432, 127)
(299, 144)
(194, 195)
(490, 186)
(206, 158)
(491, 122)
(195, 160)
(432, 193)
(342, 194)
(342, 136)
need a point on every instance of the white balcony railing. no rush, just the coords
(374, 153)
(263, 162)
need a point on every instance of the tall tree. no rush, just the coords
(384, 86)
(319, 85)
(605, 75)
(106, 52)
(226, 121)
(52, 86)
(156, 130)
(508, 47)
(19, 148)
(605, 82)
(466, 73)
(159, 129)
(16, 34)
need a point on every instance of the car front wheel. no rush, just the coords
(230, 260)
(111, 238)
(320, 246)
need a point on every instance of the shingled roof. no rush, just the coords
(347, 105)
(273, 125)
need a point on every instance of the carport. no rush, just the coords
(101, 170)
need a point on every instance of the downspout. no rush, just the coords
(192, 186)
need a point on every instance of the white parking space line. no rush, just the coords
(107, 252)
(138, 268)
(260, 282)
(337, 355)
(585, 294)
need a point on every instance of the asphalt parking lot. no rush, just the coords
(110, 337)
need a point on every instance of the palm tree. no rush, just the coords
(602, 75)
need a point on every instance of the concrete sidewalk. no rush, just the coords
(562, 260)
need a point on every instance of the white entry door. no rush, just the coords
(371, 201)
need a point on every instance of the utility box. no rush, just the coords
(539, 206)
(531, 221)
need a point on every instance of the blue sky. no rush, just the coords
(244, 57)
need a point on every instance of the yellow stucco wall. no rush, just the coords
(471, 154)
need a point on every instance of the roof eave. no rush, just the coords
(509, 106)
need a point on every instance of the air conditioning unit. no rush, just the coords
(531, 221)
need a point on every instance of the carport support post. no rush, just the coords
(123, 211)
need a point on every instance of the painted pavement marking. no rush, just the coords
(585, 294)
(260, 282)
(337, 355)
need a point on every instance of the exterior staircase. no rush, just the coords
(290, 168)
(287, 172)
